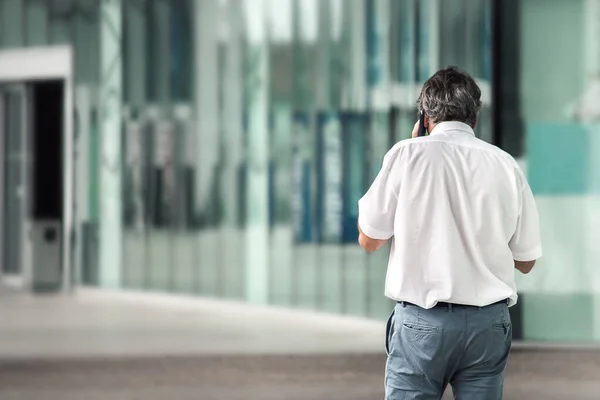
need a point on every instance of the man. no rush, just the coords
(461, 217)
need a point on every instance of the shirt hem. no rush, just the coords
(528, 256)
(372, 232)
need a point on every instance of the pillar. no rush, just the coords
(110, 136)
(257, 204)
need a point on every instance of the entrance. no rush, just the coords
(32, 187)
(36, 176)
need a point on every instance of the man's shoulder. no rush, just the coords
(498, 152)
(407, 146)
(403, 144)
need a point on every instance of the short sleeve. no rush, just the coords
(526, 244)
(377, 208)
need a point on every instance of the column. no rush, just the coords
(110, 153)
(257, 206)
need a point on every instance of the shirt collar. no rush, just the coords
(452, 126)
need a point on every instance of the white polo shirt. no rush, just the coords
(458, 210)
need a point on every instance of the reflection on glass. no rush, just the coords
(281, 251)
(159, 247)
(184, 252)
(134, 204)
(305, 254)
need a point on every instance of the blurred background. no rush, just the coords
(218, 148)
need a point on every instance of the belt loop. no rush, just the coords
(449, 307)
(403, 304)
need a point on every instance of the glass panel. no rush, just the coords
(60, 28)
(280, 156)
(137, 151)
(303, 155)
(36, 22)
(134, 224)
(405, 13)
(330, 211)
(185, 254)
(161, 141)
(378, 20)
(13, 132)
(561, 160)
(355, 167)
(281, 250)
(207, 179)
(232, 181)
(12, 15)
(160, 246)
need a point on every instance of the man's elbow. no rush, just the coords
(524, 267)
(368, 244)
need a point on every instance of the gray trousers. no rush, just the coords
(462, 346)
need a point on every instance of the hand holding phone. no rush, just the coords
(422, 131)
(419, 128)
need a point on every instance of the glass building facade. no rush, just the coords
(223, 144)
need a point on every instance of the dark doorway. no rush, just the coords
(47, 140)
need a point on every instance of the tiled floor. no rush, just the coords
(531, 376)
(94, 323)
(118, 347)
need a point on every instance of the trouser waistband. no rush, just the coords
(443, 304)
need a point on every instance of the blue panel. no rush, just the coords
(271, 173)
(242, 179)
(557, 159)
(354, 128)
(271, 189)
(373, 43)
(301, 203)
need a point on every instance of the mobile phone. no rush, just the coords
(422, 131)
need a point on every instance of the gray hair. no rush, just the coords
(450, 95)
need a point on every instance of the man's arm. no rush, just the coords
(377, 208)
(369, 244)
(526, 245)
(524, 266)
